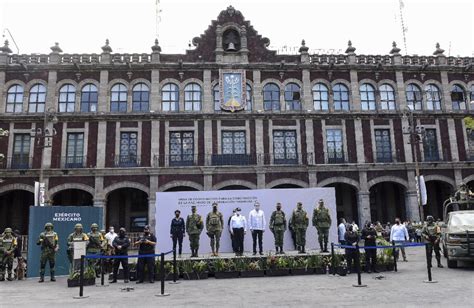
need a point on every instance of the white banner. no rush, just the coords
(168, 202)
(423, 195)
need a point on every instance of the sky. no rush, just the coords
(326, 25)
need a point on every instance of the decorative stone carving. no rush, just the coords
(106, 48)
(350, 50)
(5, 48)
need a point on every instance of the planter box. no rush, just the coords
(390, 267)
(320, 271)
(302, 271)
(278, 272)
(195, 276)
(380, 267)
(246, 274)
(168, 277)
(75, 282)
(223, 275)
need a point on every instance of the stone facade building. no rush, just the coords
(130, 125)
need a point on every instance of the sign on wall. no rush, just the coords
(64, 218)
(168, 202)
(232, 88)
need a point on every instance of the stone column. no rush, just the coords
(261, 179)
(312, 176)
(208, 142)
(101, 140)
(155, 142)
(2, 91)
(50, 105)
(446, 92)
(453, 140)
(359, 141)
(411, 198)
(208, 102)
(310, 141)
(155, 98)
(100, 203)
(259, 140)
(207, 180)
(257, 92)
(400, 91)
(363, 199)
(152, 201)
(103, 91)
(355, 91)
(409, 158)
(307, 95)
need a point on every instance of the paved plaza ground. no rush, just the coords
(455, 288)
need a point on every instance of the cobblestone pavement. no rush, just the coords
(455, 288)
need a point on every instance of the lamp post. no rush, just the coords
(416, 134)
(44, 139)
(3, 133)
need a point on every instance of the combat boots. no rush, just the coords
(302, 249)
(41, 279)
(321, 247)
(281, 250)
(9, 278)
(325, 247)
(276, 250)
(52, 277)
(439, 263)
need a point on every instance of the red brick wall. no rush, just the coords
(92, 144)
(351, 142)
(318, 142)
(110, 144)
(460, 139)
(367, 137)
(146, 143)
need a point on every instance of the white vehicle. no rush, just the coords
(458, 237)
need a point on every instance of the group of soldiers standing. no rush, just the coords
(214, 224)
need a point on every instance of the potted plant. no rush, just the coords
(201, 269)
(316, 264)
(254, 268)
(186, 267)
(88, 278)
(277, 266)
(225, 269)
(299, 266)
(340, 265)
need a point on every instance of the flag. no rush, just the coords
(422, 192)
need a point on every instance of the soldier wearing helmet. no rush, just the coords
(48, 240)
(76, 236)
(432, 233)
(7, 251)
(94, 247)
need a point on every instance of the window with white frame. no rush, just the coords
(387, 97)
(430, 145)
(128, 149)
(458, 98)
(216, 95)
(414, 97)
(320, 97)
(285, 147)
(75, 150)
(383, 146)
(15, 99)
(293, 96)
(249, 97)
(367, 97)
(341, 97)
(233, 142)
(140, 98)
(170, 97)
(89, 98)
(271, 97)
(192, 97)
(67, 98)
(433, 97)
(334, 146)
(21, 151)
(181, 145)
(118, 98)
(37, 98)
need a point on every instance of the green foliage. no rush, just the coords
(316, 261)
(223, 265)
(186, 266)
(254, 266)
(200, 267)
(469, 121)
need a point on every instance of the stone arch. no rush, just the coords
(193, 80)
(468, 179)
(272, 80)
(369, 81)
(441, 178)
(223, 184)
(342, 81)
(390, 82)
(293, 80)
(11, 83)
(66, 186)
(33, 82)
(387, 178)
(113, 82)
(86, 81)
(17, 186)
(63, 82)
(125, 184)
(181, 183)
(274, 183)
(136, 81)
(321, 80)
(340, 179)
(435, 82)
(463, 85)
(414, 81)
(169, 80)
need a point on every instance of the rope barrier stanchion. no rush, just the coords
(428, 264)
(81, 280)
(175, 269)
(394, 257)
(357, 262)
(102, 274)
(162, 276)
(333, 267)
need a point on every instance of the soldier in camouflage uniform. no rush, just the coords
(8, 246)
(278, 227)
(322, 222)
(94, 247)
(432, 234)
(300, 222)
(194, 227)
(48, 240)
(214, 224)
(76, 236)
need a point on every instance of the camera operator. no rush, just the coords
(146, 244)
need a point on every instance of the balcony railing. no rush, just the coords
(72, 162)
(127, 161)
(336, 158)
(233, 159)
(16, 162)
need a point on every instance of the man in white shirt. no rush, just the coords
(341, 231)
(257, 226)
(399, 234)
(110, 236)
(238, 227)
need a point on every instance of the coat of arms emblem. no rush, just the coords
(232, 86)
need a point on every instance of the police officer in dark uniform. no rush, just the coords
(121, 244)
(146, 246)
(352, 238)
(177, 231)
(369, 235)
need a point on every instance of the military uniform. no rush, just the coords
(431, 234)
(300, 222)
(278, 228)
(194, 227)
(8, 246)
(94, 247)
(322, 222)
(214, 224)
(48, 239)
(76, 236)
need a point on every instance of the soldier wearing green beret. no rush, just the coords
(48, 240)
(194, 227)
(300, 222)
(322, 222)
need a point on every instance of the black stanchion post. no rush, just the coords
(102, 272)
(81, 280)
(333, 268)
(428, 264)
(162, 276)
(175, 269)
(357, 262)
(394, 257)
